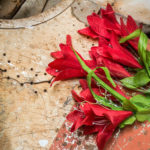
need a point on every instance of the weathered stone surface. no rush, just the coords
(34, 112)
(30, 8)
(8, 8)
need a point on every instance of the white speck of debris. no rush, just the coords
(10, 64)
(24, 73)
(43, 143)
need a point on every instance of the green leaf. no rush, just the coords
(128, 82)
(132, 83)
(128, 121)
(134, 34)
(141, 78)
(143, 116)
(142, 45)
(142, 103)
(148, 57)
(103, 101)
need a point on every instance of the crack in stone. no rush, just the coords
(22, 83)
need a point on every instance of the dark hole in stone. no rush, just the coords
(9, 61)
(4, 54)
(49, 81)
(88, 37)
(35, 92)
(5, 70)
(45, 73)
(93, 44)
(21, 84)
(18, 76)
(74, 7)
(45, 90)
(81, 9)
(31, 82)
(31, 69)
(36, 75)
(73, 25)
(8, 78)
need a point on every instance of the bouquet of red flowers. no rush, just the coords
(121, 58)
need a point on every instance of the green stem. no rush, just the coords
(103, 84)
(132, 35)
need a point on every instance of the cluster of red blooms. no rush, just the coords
(109, 53)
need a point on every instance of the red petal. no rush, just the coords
(116, 117)
(87, 96)
(52, 71)
(131, 24)
(98, 25)
(67, 52)
(93, 129)
(109, 14)
(68, 74)
(62, 64)
(102, 41)
(69, 41)
(115, 69)
(76, 96)
(74, 115)
(83, 83)
(91, 63)
(88, 32)
(103, 136)
(57, 55)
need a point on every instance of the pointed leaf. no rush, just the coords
(128, 121)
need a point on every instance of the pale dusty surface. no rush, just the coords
(31, 120)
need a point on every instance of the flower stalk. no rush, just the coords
(121, 98)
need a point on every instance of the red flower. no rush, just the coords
(101, 26)
(104, 24)
(116, 70)
(95, 118)
(85, 94)
(66, 66)
(115, 52)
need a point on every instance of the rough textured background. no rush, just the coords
(31, 112)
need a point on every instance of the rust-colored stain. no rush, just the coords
(136, 137)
